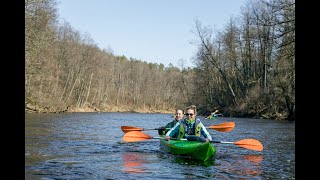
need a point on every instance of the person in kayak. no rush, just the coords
(212, 115)
(189, 126)
(178, 116)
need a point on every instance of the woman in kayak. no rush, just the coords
(178, 116)
(189, 126)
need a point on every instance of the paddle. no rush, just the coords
(136, 136)
(245, 143)
(213, 115)
(126, 129)
(223, 127)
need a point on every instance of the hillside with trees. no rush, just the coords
(246, 69)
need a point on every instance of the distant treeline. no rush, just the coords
(245, 70)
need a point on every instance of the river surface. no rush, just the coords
(88, 146)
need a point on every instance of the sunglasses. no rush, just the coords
(187, 114)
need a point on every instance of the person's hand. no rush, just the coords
(167, 138)
(207, 140)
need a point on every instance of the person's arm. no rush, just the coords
(173, 131)
(165, 129)
(205, 133)
(168, 127)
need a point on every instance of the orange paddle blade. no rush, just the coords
(135, 136)
(126, 129)
(250, 144)
(223, 127)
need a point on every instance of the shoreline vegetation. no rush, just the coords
(108, 108)
(35, 109)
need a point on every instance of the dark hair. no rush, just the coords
(180, 110)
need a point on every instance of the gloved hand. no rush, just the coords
(161, 130)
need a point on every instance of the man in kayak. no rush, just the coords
(178, 116)
(189, 126)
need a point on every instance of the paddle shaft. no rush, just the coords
(153, 129)
(170, 138)
(166, 128)
(224, 127)
(143, 129)
(134, 136)
(222, 142)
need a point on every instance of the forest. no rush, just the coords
(246, 69)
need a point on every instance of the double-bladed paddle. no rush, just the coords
(223, 127)
(136, 136)
(212, 115)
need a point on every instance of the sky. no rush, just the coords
(156, 31)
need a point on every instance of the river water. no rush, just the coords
(88, 146)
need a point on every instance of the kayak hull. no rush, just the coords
(199, 150)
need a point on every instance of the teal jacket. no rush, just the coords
(166, 128)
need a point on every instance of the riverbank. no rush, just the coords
(112, 108)
(35, 109)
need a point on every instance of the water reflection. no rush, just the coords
(255, 159)
(251, 164)
(246, 165)
(133, 162)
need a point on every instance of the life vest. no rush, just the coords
(195, 130)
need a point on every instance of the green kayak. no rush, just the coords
(199, 150)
